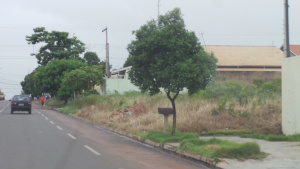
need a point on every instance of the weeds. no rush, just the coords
(239, 107)
(222, 148)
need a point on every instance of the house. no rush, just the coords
(294, 50)
(245, 63)
(118, 82)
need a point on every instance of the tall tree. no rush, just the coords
(29, 85)
(56, 45)
(166, 55)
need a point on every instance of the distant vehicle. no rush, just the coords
(21, 103)
(47, 96)
(2, 96)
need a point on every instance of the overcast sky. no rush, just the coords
(215, 22)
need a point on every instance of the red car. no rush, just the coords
(2, 97)
(21, 103)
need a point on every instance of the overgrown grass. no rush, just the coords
(272, 137)
(69, 110)
(225, 133)
(55, 103)
(239, 107)
(160, 137)
(223, 149)
(248, 134)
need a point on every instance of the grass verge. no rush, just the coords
(55, 103)
(223, 149)
(272, 137)
(246, 134)
(160, 137)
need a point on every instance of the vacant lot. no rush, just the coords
(222, 105)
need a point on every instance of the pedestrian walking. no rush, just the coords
(42, 100)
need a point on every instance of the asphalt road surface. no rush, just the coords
(47, 139)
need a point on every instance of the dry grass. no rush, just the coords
(212, 147)
(193, 115)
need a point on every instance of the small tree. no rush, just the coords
(166, 55)
(84, 78)
(91, 58)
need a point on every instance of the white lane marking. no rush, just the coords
(46, 118)
(39, 112)
(59, 128)
(42, 115)
(92, 150)
(70, 135)
(51, 122)
(4, 107)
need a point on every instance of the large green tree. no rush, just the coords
(165, 55)
(29, 85)
(47, 79)
(56, 45)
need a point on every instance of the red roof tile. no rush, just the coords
(295, 49)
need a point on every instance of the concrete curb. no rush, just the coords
(166, 147)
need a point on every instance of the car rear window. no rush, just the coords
(21, 98)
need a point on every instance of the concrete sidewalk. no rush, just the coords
(282, 155)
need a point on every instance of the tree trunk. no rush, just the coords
(174, 117)
(174, 110)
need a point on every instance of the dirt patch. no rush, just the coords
(212, 147)
(137, 109)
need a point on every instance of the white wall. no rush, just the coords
(120, 85)
(291, 95)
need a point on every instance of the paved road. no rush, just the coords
(49, 140)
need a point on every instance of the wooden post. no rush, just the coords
(166, 123)
(166, 112)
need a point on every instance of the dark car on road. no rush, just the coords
(21, 103)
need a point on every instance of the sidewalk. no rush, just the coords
(282, 155)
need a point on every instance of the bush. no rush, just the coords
(258, 82)
(270, 90)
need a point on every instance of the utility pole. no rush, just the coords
(286, 46)
(158, 9)
(107, 56)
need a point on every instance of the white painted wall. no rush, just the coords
(291, 95)
(120, 85)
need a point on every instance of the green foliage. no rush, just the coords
(270, 89)
(240, 151)
(64, 93)
(225, 133)
(272, 137)
(91, 58)
(84, 78)
(56, 45)
(160, 137)
(54, 102)
(69, 110)
(227, 149)
(258, 82)
(224, 91)
(166, 55)
(229, 90)
(30, 84)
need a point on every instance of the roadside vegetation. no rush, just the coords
(213, 148)
(239, 107)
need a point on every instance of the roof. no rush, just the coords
(246, 55)
(295, 49)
